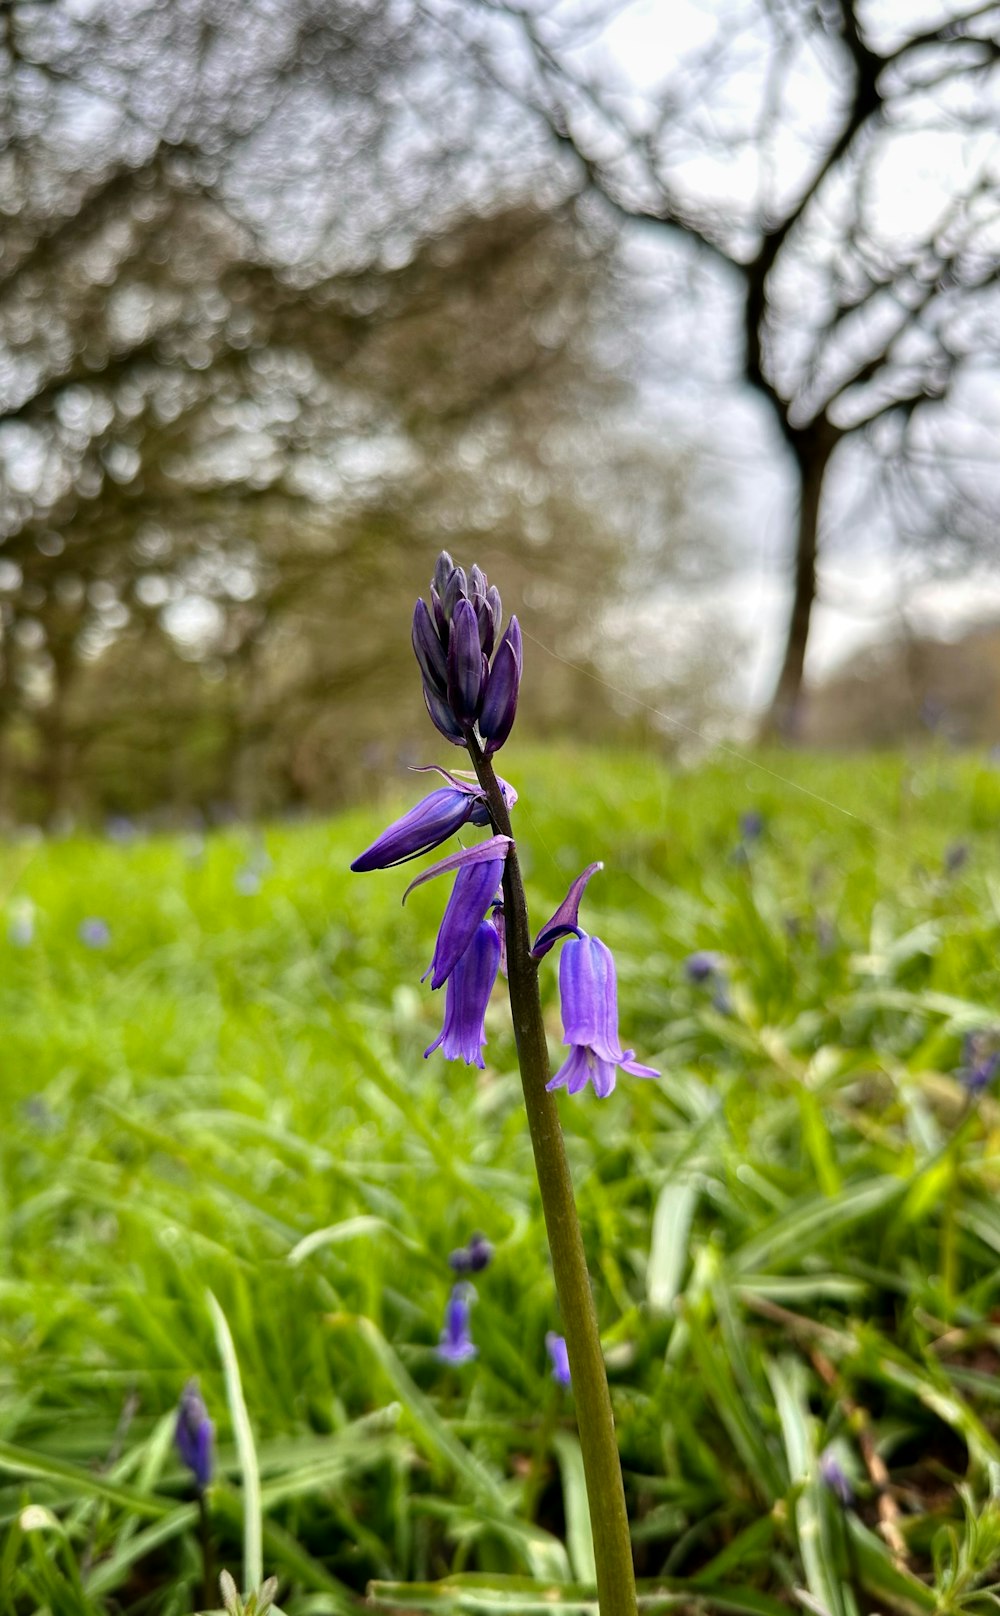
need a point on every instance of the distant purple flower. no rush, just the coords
(751, 825)
(470, 984)
(194, 1434)
(119, 828)
(455, 1345)
(980, 1061)
(21, 931)
(560, 1357)
(433, 820)
(956, 857)
(702, 966)
(94, 932)
(473, 1258)
(247, 882)
(832, 1476)
(589, 992)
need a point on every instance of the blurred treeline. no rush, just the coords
(274, 328)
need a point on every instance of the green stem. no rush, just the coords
(601, 1463)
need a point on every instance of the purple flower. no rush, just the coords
(21, 931)
(95, 933)
(589, 992)
(474, 1257)
(833, 1477)
(474, 890)
(453, 640)
(431, 822)
(194, 1434)
(560, 1357)
(455, 1345)
(980, 1061)
(470, 984)
(751, 825)
(701, 966)
(955, 858)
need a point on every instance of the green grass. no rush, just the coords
(794, 1235)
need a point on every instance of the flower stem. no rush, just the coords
(601, 1463)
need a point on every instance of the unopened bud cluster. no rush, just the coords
(454, 640)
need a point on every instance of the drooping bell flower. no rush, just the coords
(463, 1036)
(556, 1345)
(589, 992)
(434, 819)
(194, 1435)
(453, 641)
(474, 891)
(456, 1345)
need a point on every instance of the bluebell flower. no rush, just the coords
(956, 857)
(589, 992)
(556, 1345)
(453, 641)
(751, 825)
(194, 1435)
(832, 1476)
(433, 820)
(247, 882)
(463, 1036)
(474, 891)
(456, 1345)
(980, 1061)
(702, 966)
(21, 930)
(94, 932)
(472, 1258)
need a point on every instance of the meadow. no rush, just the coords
(223, 1155)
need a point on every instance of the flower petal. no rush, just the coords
(495, 848)
(474, 890)
(500, 701)
(430, 823)
(565, 919)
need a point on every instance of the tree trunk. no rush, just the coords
(813, 447)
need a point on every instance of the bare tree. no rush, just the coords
(780, 144)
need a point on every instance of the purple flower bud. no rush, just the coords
(702, 966)
(473, 892)
(429, 651)
(470, 984)
(443, 718)
(455, 591)
(566, 920)
(456, 1345)
(474, 1257)
(465, 664)
(453, 640)
(193, 1435)
(427, 825)
(589, 991)
(500, 701)
(444, 566)
(832, 1476)
(556, 1345)
(95, 933)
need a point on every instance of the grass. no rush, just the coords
(222, 1154)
